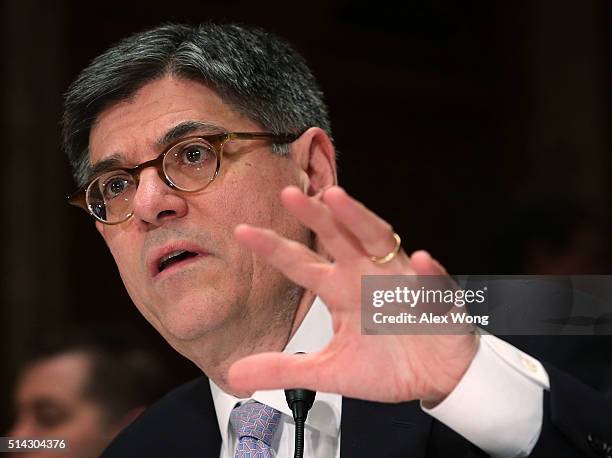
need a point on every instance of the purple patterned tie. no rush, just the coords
(255, 424)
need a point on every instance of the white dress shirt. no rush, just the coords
(497, 405)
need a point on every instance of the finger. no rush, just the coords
(424, 264)
(293, 259)
(269, 371)
(374, 233)
(337, 240)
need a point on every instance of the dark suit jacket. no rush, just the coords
(577, 422)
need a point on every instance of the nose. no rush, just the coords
(155, 202)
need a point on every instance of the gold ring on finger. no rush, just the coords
(389, 256)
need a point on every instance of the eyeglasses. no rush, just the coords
(188, 165)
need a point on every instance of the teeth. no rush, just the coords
(171, 255)
(177, 256)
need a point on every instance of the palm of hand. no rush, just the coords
(386, 368)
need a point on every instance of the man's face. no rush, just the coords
(224, 286)
(51, 403)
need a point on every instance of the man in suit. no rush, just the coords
(205, 156)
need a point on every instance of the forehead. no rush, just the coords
(59, 377)
(138, 123)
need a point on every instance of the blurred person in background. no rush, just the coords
(84, 388)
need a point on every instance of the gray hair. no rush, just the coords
(257, 73)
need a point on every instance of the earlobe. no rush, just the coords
(318, 161)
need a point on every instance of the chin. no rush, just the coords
(191, 320)
(184, 330)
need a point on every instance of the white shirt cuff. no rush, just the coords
(497, 405)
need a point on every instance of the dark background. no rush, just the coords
(447, 115)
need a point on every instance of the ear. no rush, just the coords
(316, 158)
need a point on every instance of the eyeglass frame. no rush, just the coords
(217, 141)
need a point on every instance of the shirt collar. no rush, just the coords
(315, 332)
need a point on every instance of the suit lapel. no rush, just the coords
(386, 430)
(209, 437)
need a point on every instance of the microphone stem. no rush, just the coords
(299, 438)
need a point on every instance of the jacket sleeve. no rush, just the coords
(577, 419)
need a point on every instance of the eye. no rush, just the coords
(49, 417)
(49, 414)
(195, 154)
(115, 186)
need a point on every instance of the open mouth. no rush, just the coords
(174, 258)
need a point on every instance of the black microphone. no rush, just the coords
(299, 401)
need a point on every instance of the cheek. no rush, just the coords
(257, 210)
(126, 254)
(254, 201)
(132, 272)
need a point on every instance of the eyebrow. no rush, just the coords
(114, 161)
(186, 128)
(183, 129)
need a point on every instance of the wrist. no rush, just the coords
(452, 372)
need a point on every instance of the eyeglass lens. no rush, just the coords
(189, 166)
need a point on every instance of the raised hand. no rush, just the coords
(387, 368)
